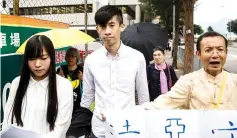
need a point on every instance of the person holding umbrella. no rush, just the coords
(161, 76)
(113, 72)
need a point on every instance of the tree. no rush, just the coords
(209, 29)
(188, 7)
(176, 36)
(232, 26)
(189, 35)
(164, 8)
(198, 29)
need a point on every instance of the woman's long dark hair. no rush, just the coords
(34, 49)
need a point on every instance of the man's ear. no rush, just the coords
(122, 27)
(97, 28)
(198, 53)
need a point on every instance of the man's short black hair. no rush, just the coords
(106, 13)
(209, 34)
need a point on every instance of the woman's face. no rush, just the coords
(71, 61)
(158, 57)
(40, 66)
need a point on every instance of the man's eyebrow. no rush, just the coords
(209, 46)
(111, 22)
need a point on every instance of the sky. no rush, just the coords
(215, 13)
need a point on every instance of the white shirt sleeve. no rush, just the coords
(141, 83)
(65, 108)
(9, 105)
(88, 95)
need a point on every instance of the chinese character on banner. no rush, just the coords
(3, 40)
(62, 56)
(127, 129)
(15, 39)
(227, 129)
(57, 57)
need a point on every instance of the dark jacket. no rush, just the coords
(153, 77)
(81, 123)
(78, 90)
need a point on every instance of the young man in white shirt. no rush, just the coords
(114, 72)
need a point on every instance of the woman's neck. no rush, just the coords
(160, 63)
(72, 67)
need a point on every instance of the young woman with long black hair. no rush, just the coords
(39, 100)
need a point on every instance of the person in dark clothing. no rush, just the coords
(73, 72)
(81, 117)
(161, 76)
(81, 124)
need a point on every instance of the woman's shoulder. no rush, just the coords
(169, 66)
(61, 80)
(63, 85)
(151, 65)
(16, 80)
(64, 90)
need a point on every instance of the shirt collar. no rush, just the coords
(211, 78)
(44, 83)
(119, 52)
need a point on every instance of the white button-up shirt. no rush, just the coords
(35, 103)
(112, 81)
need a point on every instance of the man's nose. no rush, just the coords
(107, 31)
(215, 53)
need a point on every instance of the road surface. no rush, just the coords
(231, 61)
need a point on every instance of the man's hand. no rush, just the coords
(103, 117)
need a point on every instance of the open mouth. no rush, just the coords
(214, 63)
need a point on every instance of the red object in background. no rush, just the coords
(60, 56)
(82, 53)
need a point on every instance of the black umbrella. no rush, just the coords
(144, 37)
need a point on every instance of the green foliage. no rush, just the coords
(233, 25)
(164, 9)
(198, 29)
(210, 29)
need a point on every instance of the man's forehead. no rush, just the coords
(113, 20)
(213, 41)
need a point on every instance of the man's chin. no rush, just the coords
(214, 70)
(109, 44)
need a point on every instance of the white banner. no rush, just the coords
(137, 123)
